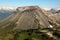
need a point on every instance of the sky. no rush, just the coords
(41, 3)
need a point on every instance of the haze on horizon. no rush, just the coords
(41, 3)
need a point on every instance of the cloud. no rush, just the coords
(46, 9)
(6, 8)
(58, 8)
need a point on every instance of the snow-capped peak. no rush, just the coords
(7, 8)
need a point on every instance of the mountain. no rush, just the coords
(7, 8)
(5, 12)
(53, 10)
(30, 23)
(28, 15)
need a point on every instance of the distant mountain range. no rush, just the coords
(5, 12)
(7, 8)
(51, 8)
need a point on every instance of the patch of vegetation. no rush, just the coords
(31, 35)
(5, 33)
